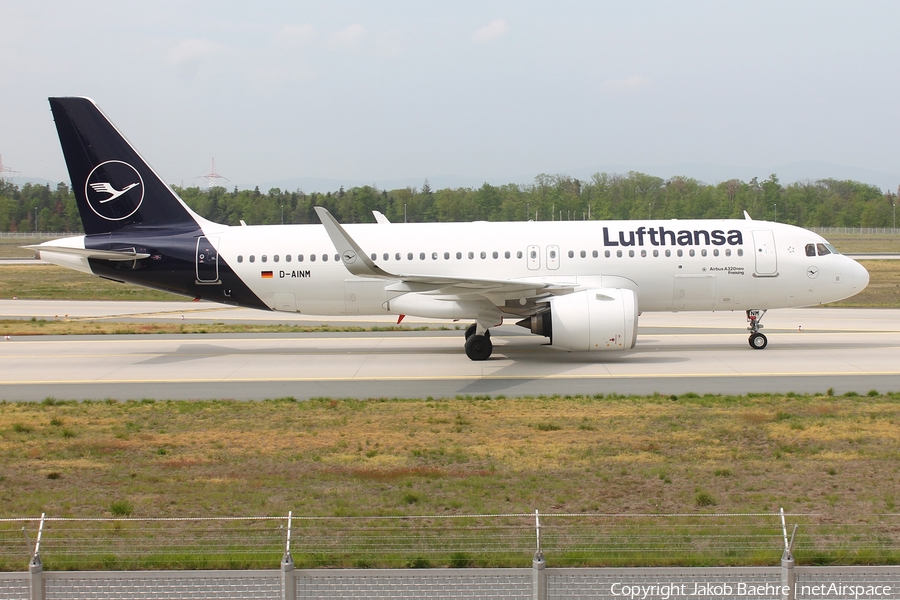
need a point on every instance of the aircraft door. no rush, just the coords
(207, 260)
(553, 257)
(764, 249)
(534, 257)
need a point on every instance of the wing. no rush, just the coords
(104, 187)
(462, 288)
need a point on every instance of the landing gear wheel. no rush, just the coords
(758, 341)
(479, 347)
(470, 331)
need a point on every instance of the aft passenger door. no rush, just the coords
(207, 260)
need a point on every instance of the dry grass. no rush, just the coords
(837, 456)
(461, 456)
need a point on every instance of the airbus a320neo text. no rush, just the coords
(582, 284)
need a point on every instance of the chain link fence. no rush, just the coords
(493, 540)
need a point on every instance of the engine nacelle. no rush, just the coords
(592, 320)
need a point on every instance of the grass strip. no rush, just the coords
(606, 461)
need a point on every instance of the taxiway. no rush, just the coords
(810, 351)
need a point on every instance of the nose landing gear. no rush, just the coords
(757, 340)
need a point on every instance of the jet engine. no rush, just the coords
(592, 320)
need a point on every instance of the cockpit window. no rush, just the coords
(823, 250)
(810, 249)
(831, 248)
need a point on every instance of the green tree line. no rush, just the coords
(822, 203)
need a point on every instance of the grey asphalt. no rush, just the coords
(810, 351)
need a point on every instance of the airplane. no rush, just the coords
(582, 284)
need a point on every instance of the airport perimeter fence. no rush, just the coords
(451, 556)
(424, 541)
(856, 230)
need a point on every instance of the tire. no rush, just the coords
(758, 341)
(470, 331)
(479, 347)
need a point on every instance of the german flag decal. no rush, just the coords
(267, 274)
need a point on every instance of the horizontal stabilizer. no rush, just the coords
(114, 255)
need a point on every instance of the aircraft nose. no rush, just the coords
(860, 276)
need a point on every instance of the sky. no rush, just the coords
(457, 91)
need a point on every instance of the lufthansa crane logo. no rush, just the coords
(114, 190)
(349, 257)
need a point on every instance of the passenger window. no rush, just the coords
(534, 254)
(434, 256)
(691, 252)
(822, 249)
(275, 258)
(240, 258)
(483, 254)
(495, 255)
(337, 258)
(583, 254)
(409, 256)
(553, 254)
(715, 251)
(263, 258)
(606, 253)
(386, 256)
(668, 253)
(727, 251)
(655, 253)
(740, 251)
(519, 254)
(373, 256)
(312, 258)
(506, 254)
(643, 254)
(680, 252)
(810, 249)
(471, 255)
(299, 258)
(324, 258)
(595, 254)
(459, 256)
(446, 256)
(703, 252)
(571, 254)
(631, 254)
(397, 256)
(618, 253)
(252, 258)
(421, 256)
(287, 258)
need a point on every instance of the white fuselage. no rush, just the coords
(671, 265)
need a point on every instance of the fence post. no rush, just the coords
(36, 567)
(36, 579)
(538, 565)
(288, 577)
(788, 578)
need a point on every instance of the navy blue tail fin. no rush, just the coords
(113, 186)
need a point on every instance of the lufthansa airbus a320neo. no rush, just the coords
(582, 284)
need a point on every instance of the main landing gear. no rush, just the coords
(478, 347)
(757, 340)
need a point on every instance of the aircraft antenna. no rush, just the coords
(212, 176)
(7, 169)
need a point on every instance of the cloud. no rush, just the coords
(491, 32)
(293, 36)
(193, 50)
(348, 38)
(629, 83)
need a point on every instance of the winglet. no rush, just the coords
(380, 218)
(747, 216)
(353, 257)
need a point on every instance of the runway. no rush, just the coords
(810, 351)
